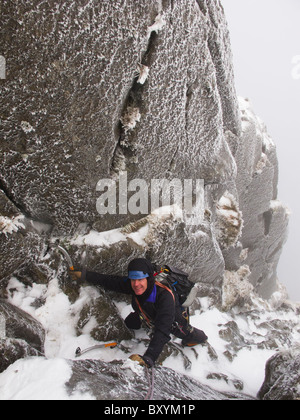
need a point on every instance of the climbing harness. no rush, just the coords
(150, 378)
(145, 317)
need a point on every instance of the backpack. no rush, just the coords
(177, 281)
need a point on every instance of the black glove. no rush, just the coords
(149, 362)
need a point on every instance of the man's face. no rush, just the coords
(139, 286)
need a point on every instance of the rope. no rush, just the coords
(150, 378)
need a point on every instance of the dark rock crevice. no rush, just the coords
(132, 111)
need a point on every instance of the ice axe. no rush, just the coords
(68, 259)
(79, 352)
(65, 254)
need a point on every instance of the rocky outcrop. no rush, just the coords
(108, 323)
(20, 335)
(64, 125)
(282, 380)
(124, 381)
(265, 219)
(96, 90)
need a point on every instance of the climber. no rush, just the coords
(153, 303)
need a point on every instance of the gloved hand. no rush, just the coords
(75, 275)
(142, 360)
(137, 358)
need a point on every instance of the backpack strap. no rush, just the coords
(166, 288)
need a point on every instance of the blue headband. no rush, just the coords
(137, 275)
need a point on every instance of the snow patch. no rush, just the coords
(38, 379)
(99, 239)
(134, 367)
(27, 127)
(11, 225)
(130, 232)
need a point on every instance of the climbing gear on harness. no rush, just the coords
(143, 314)
(80, 352)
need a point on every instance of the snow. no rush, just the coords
(38, 379)
(143, 72)
(131, 117)
(27, 127)
(107, 238)
(99, 239)
(44, 378)
(248, 366)
(11, 225)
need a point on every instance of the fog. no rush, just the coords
(265, 38)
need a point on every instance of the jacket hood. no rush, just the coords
(144, 265)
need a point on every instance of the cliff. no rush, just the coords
(117, 95)
(147, 88)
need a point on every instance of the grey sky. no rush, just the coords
(265, 37)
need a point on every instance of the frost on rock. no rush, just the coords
(236, 289)
(23, 335)
(265, 219)
(143, 73)
(282, 378)
(158, 25)
(229, 221)
(174, 122)
(10, 225)
(26, 127)
(130, 118)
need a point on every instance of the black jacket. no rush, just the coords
(161, 312)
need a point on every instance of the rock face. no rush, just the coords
(110, 381)
(96, 90)
(265, 219)
(74, 79)
(20, 335)
(109, 324)
(282, 381)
